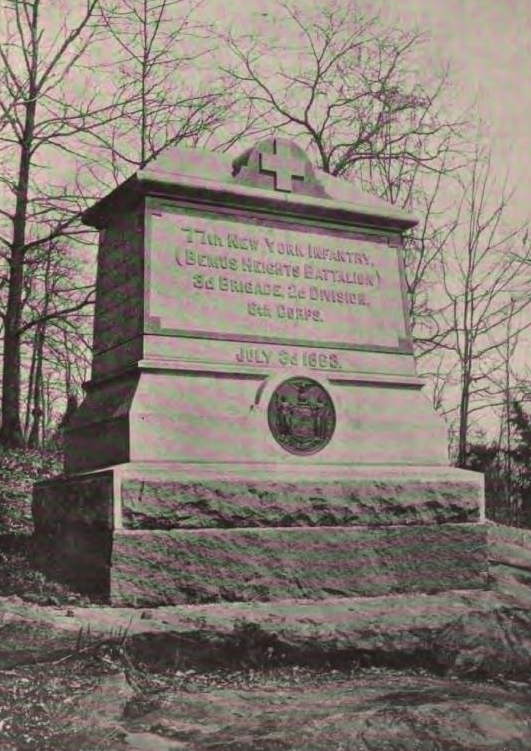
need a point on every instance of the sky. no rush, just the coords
(488, 46)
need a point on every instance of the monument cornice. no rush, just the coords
(250, 182)
(139, 186)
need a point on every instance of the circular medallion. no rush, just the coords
(301, 416)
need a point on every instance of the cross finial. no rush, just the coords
(283, 165)
(285, 162)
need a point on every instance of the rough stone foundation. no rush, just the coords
(169, 539)
(215, 565)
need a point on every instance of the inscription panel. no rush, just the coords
(222, 278)
(249, 357)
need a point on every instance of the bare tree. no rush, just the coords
(506, 387)
(431, 198)
(348, 89)
(56, 300)
(164, 88)
(39, 118)
(486, 284)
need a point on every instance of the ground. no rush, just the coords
(447, 672)
(90, 703)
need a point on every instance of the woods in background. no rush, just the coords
(91, 91)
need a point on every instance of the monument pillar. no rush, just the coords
(254, 410)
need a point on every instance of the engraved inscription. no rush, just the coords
(288, 358)
(315, 283)
(288, 285)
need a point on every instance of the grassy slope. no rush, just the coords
(19, 470)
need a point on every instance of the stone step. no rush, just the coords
(169, 504)
(211, 565)
(114, 499)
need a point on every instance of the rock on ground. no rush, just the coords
(372, 711)
(448, 672)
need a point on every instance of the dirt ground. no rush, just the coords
(450, 672)
(101, 700)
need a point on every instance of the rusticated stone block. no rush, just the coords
(184, 566)
(63, 501)
(73, 530)
(171, 504)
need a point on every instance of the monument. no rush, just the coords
(254, 427)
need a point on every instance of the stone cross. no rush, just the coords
(283, 165)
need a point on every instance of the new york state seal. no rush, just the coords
(301, 416)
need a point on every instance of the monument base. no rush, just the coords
(153, 534)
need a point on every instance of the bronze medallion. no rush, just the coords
(301, 416)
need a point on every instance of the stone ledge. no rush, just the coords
(173, 504)
(165, 499)
(186, 566)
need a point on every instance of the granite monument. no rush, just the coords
(254, 427)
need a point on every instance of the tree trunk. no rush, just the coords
(462, 452)
(37, 402)
(11, 431)
(31, 381)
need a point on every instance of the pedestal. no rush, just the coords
(153, 534)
